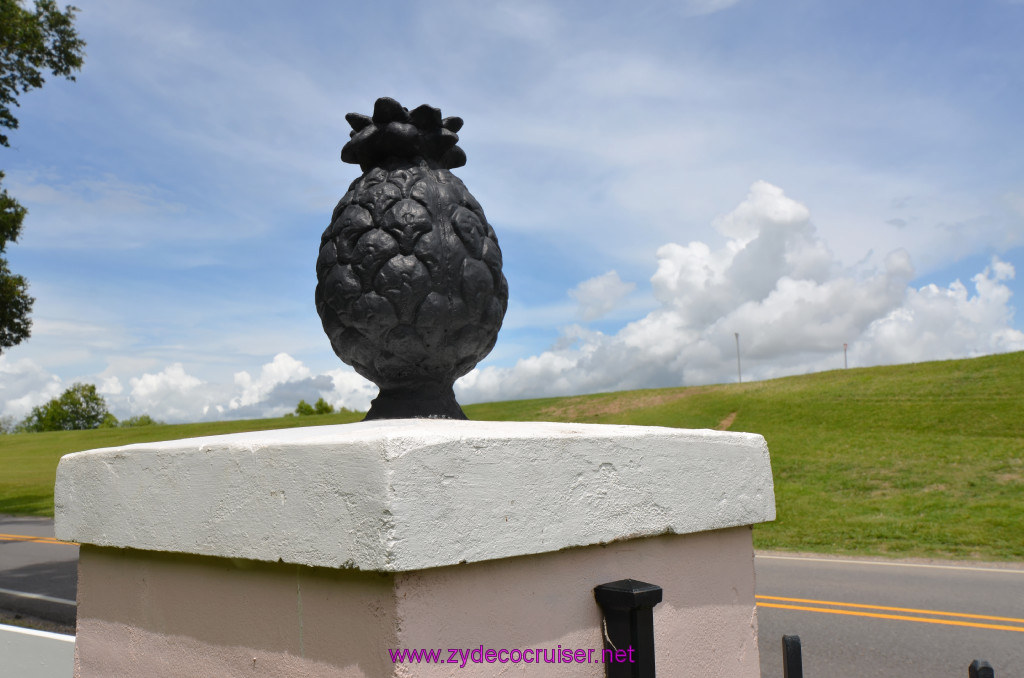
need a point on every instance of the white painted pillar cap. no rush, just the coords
(402, 495)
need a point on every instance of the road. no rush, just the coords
(38, 575)
(948, 615)
(856, 618)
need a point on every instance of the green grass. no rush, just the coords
(911, 460)
(28, 461)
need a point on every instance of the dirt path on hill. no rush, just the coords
(727, 422)
(617, 403)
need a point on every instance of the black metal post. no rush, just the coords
(792, 662)
(981, 669)
(628, 627)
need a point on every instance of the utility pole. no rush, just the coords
(844, 356)
(739, 375)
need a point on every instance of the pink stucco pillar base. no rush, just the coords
(318, 551)
(156, 614)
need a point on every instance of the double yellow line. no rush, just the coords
(28, 537)
(909, 614)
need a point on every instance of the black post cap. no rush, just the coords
(627, 594)
(980, 668)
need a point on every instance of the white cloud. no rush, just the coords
(600, 295)
(777, 284)
(935, 323)
(766, 209)
(171, 395)
(111, 386)
(174, 395)
(282, 369)
(24, 384)
(350, 390)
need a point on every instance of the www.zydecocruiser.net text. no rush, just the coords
(479, 655)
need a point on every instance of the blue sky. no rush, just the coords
(804, 173)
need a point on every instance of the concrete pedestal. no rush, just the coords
(325, 551)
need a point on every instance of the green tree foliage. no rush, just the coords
(31, 42)
(321, 406)
(15, 303)
(79, 407)
(110, 421)
(140, 420)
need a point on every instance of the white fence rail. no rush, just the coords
(27, 653)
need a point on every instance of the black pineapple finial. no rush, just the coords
(409, 283)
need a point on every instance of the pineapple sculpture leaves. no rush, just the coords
(409, 283)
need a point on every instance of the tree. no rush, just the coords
(110, 421)
(319, 407)
(15, 303)
(323, 407)
(140, 420)
(30, 42)
(79, 407)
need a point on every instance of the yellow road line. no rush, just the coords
(923, 620)
(29, 537)
(894, 609)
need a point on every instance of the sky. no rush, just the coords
(661, 178)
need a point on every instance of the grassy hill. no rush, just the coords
(910, 460)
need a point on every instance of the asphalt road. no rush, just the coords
(38, 576)
(949, 614)
(855, 618)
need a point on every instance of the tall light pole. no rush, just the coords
(739, 375)
(844, 356)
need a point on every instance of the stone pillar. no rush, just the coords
(321, 551)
